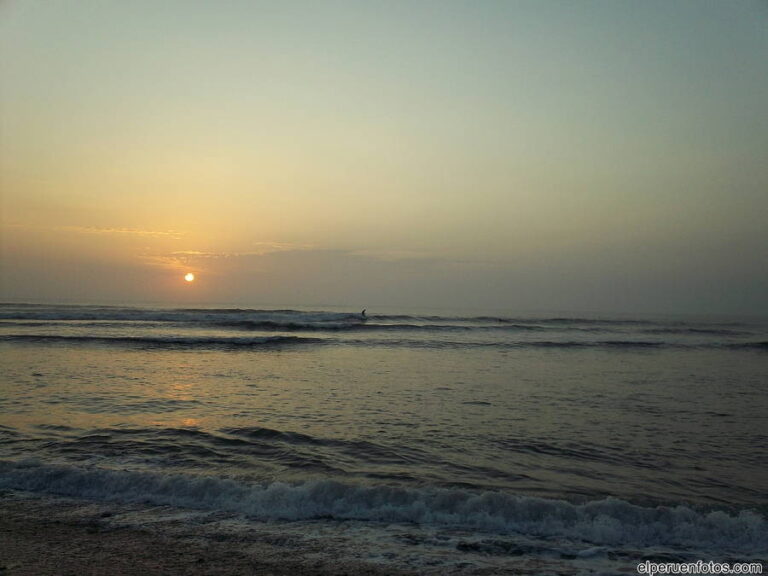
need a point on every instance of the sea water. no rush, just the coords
(435, 442)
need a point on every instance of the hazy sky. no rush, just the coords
(580, 155)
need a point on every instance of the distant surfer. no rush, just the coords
(362, 314)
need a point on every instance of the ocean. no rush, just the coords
(431, 443)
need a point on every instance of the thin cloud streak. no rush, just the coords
(185, 258)
(174, 234)
(262, 248)
(109, 231)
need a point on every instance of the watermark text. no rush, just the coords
(698, 567)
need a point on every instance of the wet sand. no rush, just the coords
(40, 537)
(47, 535)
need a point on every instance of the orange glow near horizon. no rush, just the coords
(189, 277)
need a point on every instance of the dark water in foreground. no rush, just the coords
(599, 434)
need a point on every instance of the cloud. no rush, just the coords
(260, 249)
(186, 258)
(393, 255)
(175, 234)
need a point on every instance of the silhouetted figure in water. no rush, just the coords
(362, 314)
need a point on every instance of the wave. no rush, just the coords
(696, 331)
(526, 320)
(258, 450)
(206, 315)
(180, 315)
(747, 345)
(291, 325)
(82, 323)
(564, 344)
(600, 344)
(604, 522)
(360, 326)
(176, 342)
(231, 328)
(266, 342)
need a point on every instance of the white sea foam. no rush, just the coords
(611, 521)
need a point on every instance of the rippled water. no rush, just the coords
(508, 424)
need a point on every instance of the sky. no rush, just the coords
(512, 155)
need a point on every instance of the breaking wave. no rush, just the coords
(257, 328)
(605, 522)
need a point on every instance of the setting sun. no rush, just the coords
(189, 277)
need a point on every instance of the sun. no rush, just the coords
(189, 277)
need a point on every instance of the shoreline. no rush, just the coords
(49, 535)
(42, 536)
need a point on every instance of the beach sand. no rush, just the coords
(50, 535)
(53, 536)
